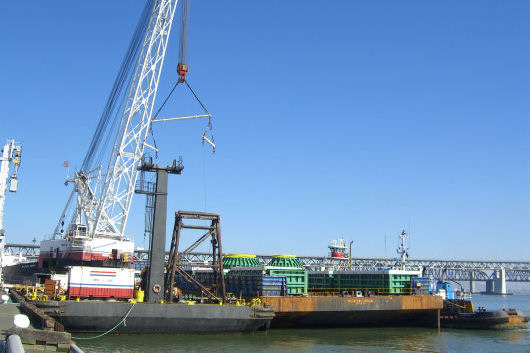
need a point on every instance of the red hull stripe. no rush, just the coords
(74, 291)
(83, 256)
(103, 272)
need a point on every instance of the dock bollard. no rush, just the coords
(75, 349)
(14, 344)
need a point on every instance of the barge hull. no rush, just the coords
(92, 316)
(328, 311)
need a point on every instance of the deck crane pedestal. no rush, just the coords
(157, 245)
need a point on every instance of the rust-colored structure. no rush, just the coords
(348, 311)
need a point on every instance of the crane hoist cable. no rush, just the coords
(182, 67)
(182, 70)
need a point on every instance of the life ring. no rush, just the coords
(157, 288)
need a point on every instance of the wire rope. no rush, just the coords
(110, 330)
(197, 98)
(111, 113)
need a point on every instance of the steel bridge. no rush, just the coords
(454, 270)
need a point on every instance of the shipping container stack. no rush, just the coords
(381, 282)
(246, 279)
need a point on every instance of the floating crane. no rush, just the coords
(97, 210)
(11, 155)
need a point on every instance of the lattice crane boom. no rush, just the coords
(104, 196)
(118, 189)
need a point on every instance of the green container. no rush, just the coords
(378, 282)
(319, 281)
(296, 279)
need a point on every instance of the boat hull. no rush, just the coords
(488, 320)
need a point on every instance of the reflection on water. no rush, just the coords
(322, 340)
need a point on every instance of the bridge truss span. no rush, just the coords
(455, 270)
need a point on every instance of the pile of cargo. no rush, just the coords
(246, 277)
(252, 286)
(427, 286)
(380, 282)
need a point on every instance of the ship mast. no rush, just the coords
(402, 250)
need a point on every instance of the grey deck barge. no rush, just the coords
(99, 316)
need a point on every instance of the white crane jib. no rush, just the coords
(107, 214)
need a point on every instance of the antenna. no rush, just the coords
(402, 250)
(385, 244)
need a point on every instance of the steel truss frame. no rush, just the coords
(177, 261)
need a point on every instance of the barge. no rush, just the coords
(347, 311)
(102, 316)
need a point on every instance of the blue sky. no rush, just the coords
(352, 118)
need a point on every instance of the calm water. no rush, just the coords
(335, 340)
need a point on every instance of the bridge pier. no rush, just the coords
(472, 288)
(499, 281)
(489, 286)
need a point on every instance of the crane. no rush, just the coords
(101, 197)
(11, 155)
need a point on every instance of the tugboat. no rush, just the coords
(458, 311)
(454, 315)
